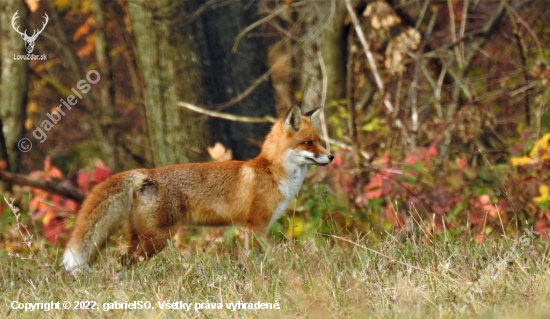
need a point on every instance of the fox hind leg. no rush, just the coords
(144, 246)
(152, 222)
(146, 237)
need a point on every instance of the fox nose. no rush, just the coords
(331, 157)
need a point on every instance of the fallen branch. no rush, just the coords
(49, 186)
(265, 119)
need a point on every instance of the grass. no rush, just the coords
(334, 275)
(318, 276)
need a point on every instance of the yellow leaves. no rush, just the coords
(540, 149)
(298, 95)
(117, 51)
(29, 124)
(372, 126)
(49, 216)
(60, 4)
(295, 227)
(521, 161)
(84, 6)
(539, 152)
(544, 197)
(33, 108)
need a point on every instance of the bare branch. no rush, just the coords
(323, 98)
(229, 117)
(49, 186)
(523, 58)
(374, 69)
(254, 25)
(265, 119)
(513, 12)
(413, 95)
(366, 46)
(454, 36)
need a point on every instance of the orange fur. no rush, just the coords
(153, 202)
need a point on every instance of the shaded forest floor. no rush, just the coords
(317, 277)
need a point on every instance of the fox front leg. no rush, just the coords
(252, 232)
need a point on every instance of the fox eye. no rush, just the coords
(308, 143)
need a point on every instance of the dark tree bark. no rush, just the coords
(13, 82)
(171, 73)
(226, 75)
(4, 149)
(334, 53)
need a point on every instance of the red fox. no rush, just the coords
(253, 193)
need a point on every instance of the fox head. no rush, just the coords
(294, 140)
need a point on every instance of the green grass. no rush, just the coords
(318, 276)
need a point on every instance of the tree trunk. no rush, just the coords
(227, 75)
(106, 111)
(334, 54)
(13, 82)
(170, 71)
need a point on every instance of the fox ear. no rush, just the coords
(314, 115)
(313, 111)
(293, 119)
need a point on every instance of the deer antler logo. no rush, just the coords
(29, 41)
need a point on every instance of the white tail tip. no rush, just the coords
(74, 262)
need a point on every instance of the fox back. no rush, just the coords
(152, 202)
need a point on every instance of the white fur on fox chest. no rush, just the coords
(289, 188)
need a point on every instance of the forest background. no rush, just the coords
(437, 111)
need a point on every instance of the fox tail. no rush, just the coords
(104, 210)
